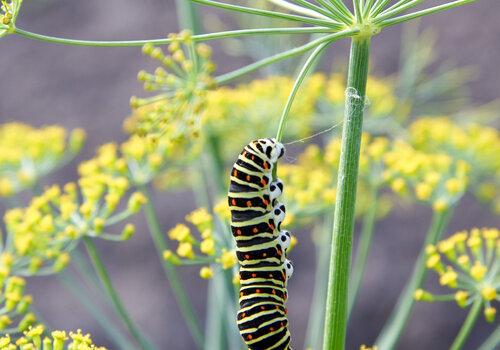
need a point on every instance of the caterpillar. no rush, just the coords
(256, 217)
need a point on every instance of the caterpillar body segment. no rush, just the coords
(261, 245)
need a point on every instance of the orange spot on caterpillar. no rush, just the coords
(263, 182)
(248, 177)
(252, 157)
(247, 256)
(235, 173)
(271, 329)
(266, 202)
(249, 337)
(262, 308)
(238, 232)
(266, 165)
(255, 230)
(264, 255)
(254, 275)
(249, 203)
(257, 291)
(271, 226)
(233, 201)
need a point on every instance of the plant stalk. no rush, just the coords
(363, 249)
(493, 340)
(113, 295)
(70, 283)
(170, 272)
(389, 337)
(469, 323)
(343, 224)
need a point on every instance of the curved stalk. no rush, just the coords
(469, 323)
(225, 78)
(343, 224)
(389, 337)
(296, 86)
(493, 340)
(113, 295)
(363, 249)
(166, 41)
(170, 272)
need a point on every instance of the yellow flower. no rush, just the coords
(185, 250)
(201, 218)
(228, 259)
(208, 246)
(206, 273)
(180, 233)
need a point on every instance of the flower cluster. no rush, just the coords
(477, 145)
(27, 154)
(15, 315)
(41, 235)
(182, 83)
(9, 10)
(468, 263)
(256, 105)
(206, 249)
(433, 178)
(34, 339)
(311, 181)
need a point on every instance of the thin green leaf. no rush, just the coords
(410, 16)
(299, 9)
(272, 14)
(338, 8)
(391, 13)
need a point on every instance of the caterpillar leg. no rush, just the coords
(279, 213)
(285, 239)
(275, 189)
(288, 268)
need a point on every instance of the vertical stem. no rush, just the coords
(337, 296)
(70, 282)
(113, 295)
(492, 341)
(363, 249)
(389, 337)
(170, 271)
(469, 323)
(188, 16)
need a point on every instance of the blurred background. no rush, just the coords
(90, 88)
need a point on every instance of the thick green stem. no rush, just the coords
(389, 337)
(113, 295)
(363, 249)
(170, 272)
(343, 224)
(469, 323)
(493, 340)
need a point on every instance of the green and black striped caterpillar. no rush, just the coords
(256, 217)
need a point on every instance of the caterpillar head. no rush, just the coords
(272, 149)
(288, 269)
(284, 239)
